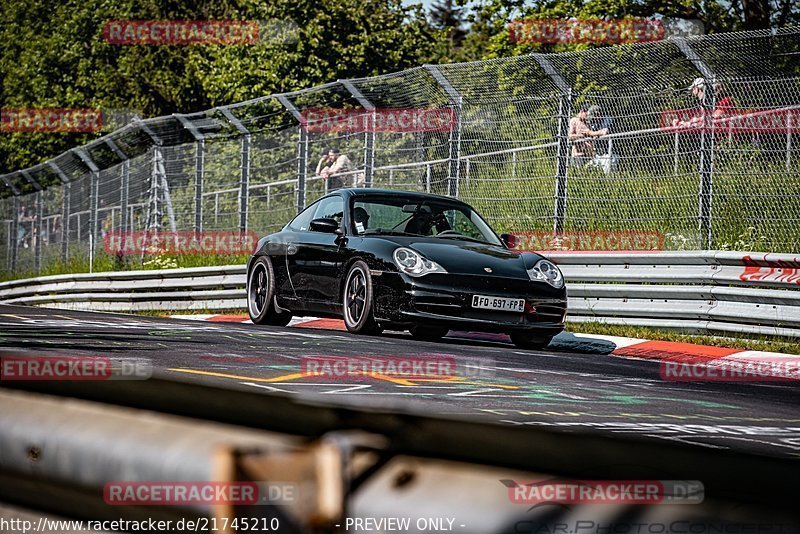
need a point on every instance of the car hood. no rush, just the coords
(465, 257)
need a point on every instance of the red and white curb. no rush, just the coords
(679, 361)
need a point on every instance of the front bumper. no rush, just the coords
(446, 300)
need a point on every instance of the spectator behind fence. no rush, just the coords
(324, 162)
(723, 107)
(340, 163)
(580, 133)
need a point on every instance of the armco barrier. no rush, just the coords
(709, 291)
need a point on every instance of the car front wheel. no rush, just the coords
(529, 340)
(261, 293)
(357, 301)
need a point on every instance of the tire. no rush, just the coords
(428, 333)
(529, 340)
(357, 306)
(261, 295)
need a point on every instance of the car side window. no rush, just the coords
(330, 208)
(303, 220)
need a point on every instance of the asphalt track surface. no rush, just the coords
(571, 390)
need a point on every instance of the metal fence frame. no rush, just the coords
(149, 138)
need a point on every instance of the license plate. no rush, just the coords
(498, 303)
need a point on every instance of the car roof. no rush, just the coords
(367, 192)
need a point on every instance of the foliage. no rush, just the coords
(489, 33)
(55, 56)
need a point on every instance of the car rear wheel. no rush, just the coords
(261, 294)
(357, 301)
(529, 340)
(428, 333)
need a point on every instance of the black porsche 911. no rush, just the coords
(400, 260)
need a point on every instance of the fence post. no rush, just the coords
(244, 182)
(36, 227)
(454, 157)
(14, 235)
(94, 186)
(65, 209)
(124, 193)
(302, 150)
(706, 193)
(65, 214)
(244, 188)
(38, 233)
(369, 135)
(707, 165)
(199, 172)
(563, 150)
(788, 140)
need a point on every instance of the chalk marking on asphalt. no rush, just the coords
(264, 386)
(477, 393)
(347, 390)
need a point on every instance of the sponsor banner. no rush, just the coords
(731, 370)
(180, 243)
(381, 120)
(64, 120)
(354, 367)
(636, 492)
(589, 241)
(177, 493)
(738, 121)
(182, 32)
(764, 270)
(14, 368)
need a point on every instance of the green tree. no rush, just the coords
(490, 37)
(55, 56)
(448, 15)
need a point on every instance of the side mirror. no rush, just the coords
(509, 239)
(324, 225)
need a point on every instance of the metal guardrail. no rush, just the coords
(712, 291)
(347, 460)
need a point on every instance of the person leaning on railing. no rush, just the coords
(580, 134)
(723, 107)
(340, 163)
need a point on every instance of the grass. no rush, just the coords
(752, 206)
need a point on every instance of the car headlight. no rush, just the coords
(414, 264)
(546, 271)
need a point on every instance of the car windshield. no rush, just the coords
(398, 215)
